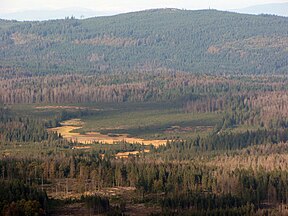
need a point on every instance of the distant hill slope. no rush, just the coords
(279, 9)
(206, 41)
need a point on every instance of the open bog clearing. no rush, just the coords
(132, 122)
(126, 154)
(66, 107)
(67, 128)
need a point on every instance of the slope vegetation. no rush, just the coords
(206, 41)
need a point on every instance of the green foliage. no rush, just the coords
(206, 41)
(221, 141)
(207, 204)
(22, 129)
(16, 198)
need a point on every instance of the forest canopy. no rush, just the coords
(207, 41)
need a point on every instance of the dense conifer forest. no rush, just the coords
(159, 112)
(207, 41)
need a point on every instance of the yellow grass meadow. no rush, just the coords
(68, 126)
(126, 154)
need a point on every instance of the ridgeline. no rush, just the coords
(206, 41)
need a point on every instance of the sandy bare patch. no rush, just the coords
(88, 138)
(72, 122)
(81, 147)
(126, 154)
(66, 107)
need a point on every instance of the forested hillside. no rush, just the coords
(160, 112)
(205, 41)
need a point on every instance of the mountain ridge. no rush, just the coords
(202, 41)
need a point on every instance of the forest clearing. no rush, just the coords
(157, 112)
(67, 128)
